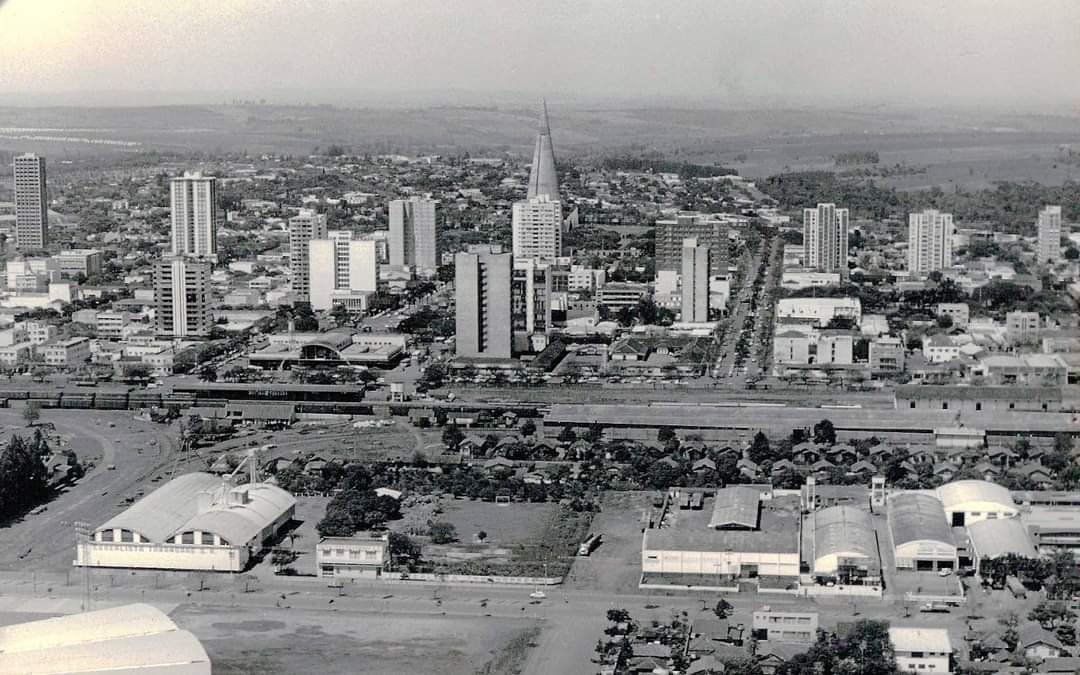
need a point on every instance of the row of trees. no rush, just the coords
(24, 480)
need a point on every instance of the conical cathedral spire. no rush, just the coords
(542, 177)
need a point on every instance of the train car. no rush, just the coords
(259, 391)
(589, 545)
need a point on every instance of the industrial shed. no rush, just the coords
(921, 536)
(197, 521)
(845, 546)
(129, 639)
(995, 538)
(969, 501)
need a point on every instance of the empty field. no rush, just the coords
(300, 641)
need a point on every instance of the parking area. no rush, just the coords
(615, 565)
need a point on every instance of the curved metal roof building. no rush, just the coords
(842, 532)
(976, 497)
(129, 639)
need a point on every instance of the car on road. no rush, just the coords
(538, 595)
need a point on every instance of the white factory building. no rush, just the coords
(969, 501)
(921, 536)
(194, 522)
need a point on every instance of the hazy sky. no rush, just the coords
(737, 52)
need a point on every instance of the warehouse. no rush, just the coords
(737, 535)
(845, 546)
(129, 639)
(921, 537)
(194, 522)
(996, 538)
(969, 501)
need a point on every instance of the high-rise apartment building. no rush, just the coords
(710, 231)
(182, 297)
(341, 269)
(413, 239)
(825, 238)
(31, 202)
(930, 241)
(194, 214)
(530, 304)
(303, 227)
(695, 282)
(1049, 243)
(537, 229)
(482, 284)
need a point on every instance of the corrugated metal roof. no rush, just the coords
(736, 506)
(993, 538)
(961, 491)
(174, 508)
(843, 530)
(131, 638)
(914, 516)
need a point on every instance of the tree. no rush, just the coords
(567, 435)
(824, 433)
(618, 616)
(31, 413)
(452, 436)
(136, 371)
(665, 434)
(1072, 253)
(23, 478)
(443, 532)
(528, 428)
(403, 547)
(759, 448)
(1050, 614)
(722, 609)
(282, 558)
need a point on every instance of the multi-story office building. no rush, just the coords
(1049, 242)
(341, 267)
(1022, 327)
(482, 284)
(31, 202)
(710, 231)
(695, 282)
(194, 214)
(537, 229)
(413, 239)
(930, 241)
(825, 238)
(85, 261)
(303, 227)
(530, 304)
(182, 297)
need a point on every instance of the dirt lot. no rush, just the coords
(615, 566)
(301, 641)
(505, 525)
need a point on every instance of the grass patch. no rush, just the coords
(511, 658)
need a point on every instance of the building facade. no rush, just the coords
(1048, 247)
(930, 241)
(303, 227)
(482, 286)
(537, 228)
(413, 238)
(193, 202)
(361, 555)
(340, 267)
(182, 298)
(711, 232)
(695, 282)
(31, 202)
(84, 261)
(825, 238)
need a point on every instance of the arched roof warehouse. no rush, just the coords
(204, 502)
(958, 493)
(919, 518)
(842, 532)
(128, 639)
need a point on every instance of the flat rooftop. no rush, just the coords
(690, 416)
(688, 530)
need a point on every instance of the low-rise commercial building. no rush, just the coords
(886, 355)
(66, 353)
(921, 536)
(819, 311)
(977, 398)
(361, 555)
(921, 650)
(971, 501)
(845, 546)
(770, 624)
(959, 312)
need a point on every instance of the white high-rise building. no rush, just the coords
(193, 202)
(31, 202)
(537, 232)
(1049, 245)
(695, 282)
(930, 241)
(182, 297)
(303, 227)
(825, 238)
(342, 269)
(413, 240)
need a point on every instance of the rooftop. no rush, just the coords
(688, 530)
(993, 538)
(940, 391)
(920, 639)
(915, 516)
(843, 530)
(965, 491)
(735, 506)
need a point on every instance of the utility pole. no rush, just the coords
(83, 532)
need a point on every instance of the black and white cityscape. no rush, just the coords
(529, 338)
